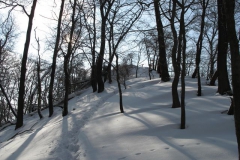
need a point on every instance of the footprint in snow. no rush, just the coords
(152, 150)
(122, 158)
(137, 154)
(166, 148)
(198, 143)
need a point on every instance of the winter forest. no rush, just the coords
(103, 48)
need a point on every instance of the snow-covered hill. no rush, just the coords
(148, 130)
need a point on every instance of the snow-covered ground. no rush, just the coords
(148, 130)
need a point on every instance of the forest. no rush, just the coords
(95, 42)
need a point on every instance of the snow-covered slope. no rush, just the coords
(148, 130)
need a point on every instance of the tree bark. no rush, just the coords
(182, 27)
(119, 86)
(23, 68)
(55, 52)
(223, 81)
(175, 60)
(163, 67)
(102, 46)
(8, 101)
(229, 6)
(94, 73)
(231, 108)
(199, 45)
(66, 61)
(39, 87)
(214, 78)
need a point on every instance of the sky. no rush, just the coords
(149, 129)
(44, 10)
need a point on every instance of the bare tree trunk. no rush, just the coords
(23, 68)
(66, 61)
(212, 62)
(111, 54)
(119, 86)
(55, 52)
(66, 82)
(175, 60)
(182, 26)
(39, 86)
(163, 67)
(199, 45)
(223, 81)
(8, 101)
(94, 71)
(235, 60)
(104, 15)
(214, 78)
(182, 47)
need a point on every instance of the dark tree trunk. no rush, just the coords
(119, 86)
(223, 81)
(39, 85)
(39, 88)
(194, 75)
(23, 68)
(102, 46)
(66, 62)
(94, 69)
(66, 72)
(235, 60)
(8, 101)
(94, 77)
(55, 52)
(163, 67)
(211, 68)
(199, 45)
(231, 108)
(214, 78)
(111, 54)
(212, 61)
(182, 27)
(175, 60)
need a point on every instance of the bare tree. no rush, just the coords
(176, 54)
(119, 86)
(125, 20)
(162, 65)
(182, 49)
(67, 57)
(121, 19)
(7, 35)
(39, 86)
(204, 5)
(23, 66)
(105, 8)
(210, 33)
(223, 81)
(55, 53)
(124, 72)
(229, 6)
(92, 39)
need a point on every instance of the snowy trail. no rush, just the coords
(55, 137)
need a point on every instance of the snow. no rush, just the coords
(148, 130)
